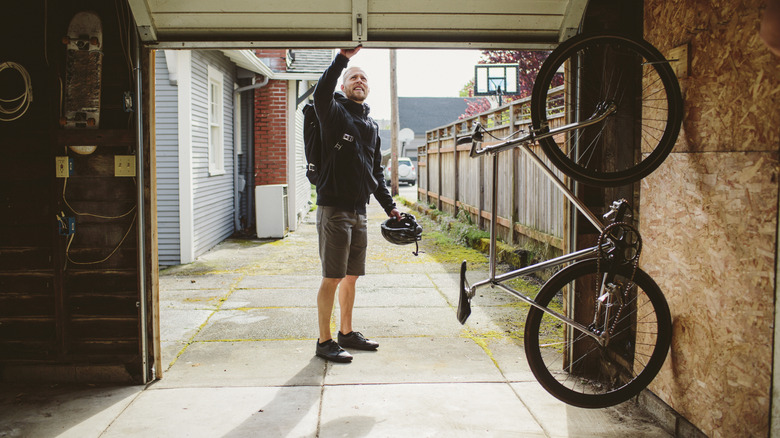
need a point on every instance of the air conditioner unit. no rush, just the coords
(271, 211)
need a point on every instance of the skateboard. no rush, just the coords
(83, 71)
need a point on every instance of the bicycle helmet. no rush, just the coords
(403, 231)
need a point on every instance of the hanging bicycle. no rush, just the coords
(599, 330)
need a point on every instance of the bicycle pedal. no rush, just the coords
(464, 302)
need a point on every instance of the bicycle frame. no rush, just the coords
(601, 113)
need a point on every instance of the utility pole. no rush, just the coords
(394, 125)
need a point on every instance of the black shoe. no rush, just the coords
(358, 341)
(330, 350)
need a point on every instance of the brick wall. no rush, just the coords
(271, 133)
(274, 58)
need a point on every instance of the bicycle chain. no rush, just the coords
(603, 255)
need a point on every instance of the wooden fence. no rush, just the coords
(529, 205)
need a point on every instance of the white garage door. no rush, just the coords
(374, 23)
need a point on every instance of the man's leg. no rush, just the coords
(325, 299)
(347, 337)
(356, 266)
(347, 302)
(327, 348)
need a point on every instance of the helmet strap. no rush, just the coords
(416, 249)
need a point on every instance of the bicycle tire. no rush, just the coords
(577, 370)
(653, 119)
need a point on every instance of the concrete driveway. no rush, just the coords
(239, 331)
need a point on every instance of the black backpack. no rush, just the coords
(312, 143)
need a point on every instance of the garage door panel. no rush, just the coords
(255, 23)
(495, 7)
(250, 6)
(486, 23)
(459, 39)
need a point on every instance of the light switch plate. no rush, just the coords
(124, 165)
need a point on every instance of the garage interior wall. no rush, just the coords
(709, 216)
(69, 304)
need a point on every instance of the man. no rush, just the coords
(350, 173)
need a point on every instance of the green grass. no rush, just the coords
(440, 244)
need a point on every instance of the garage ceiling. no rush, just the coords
(531, 24)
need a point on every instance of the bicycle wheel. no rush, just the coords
(571, 365)
(630, 143)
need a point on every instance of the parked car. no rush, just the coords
(407, 173)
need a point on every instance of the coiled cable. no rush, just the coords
(9, 109)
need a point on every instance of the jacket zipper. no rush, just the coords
(361, 155)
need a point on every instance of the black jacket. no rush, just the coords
(351, 168)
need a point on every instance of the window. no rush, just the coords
(216, 122)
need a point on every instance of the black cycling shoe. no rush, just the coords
(358, 341)
(330, 350)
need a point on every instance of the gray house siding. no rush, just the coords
(212, 194)
(197, 202)
(167, 141)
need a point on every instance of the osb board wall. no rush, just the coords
(709, 216)
(708, 226)
(733, 89)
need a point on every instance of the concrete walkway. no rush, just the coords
(239, 330)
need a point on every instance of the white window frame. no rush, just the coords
(216, 118)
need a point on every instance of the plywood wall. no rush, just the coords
(709, 216)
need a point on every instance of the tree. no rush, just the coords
(473, 106)
(529, 62)
(468, 89)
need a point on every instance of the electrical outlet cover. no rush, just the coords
(64, 166)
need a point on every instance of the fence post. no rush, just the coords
(422, 149)
(481, 180)
(455, 171)
(513, 177)
(428, 137)
(439, 187)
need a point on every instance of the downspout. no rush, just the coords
(140, 211)
(236, 140)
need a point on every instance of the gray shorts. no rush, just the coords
(343, 238)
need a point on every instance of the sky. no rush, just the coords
(420, 73)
